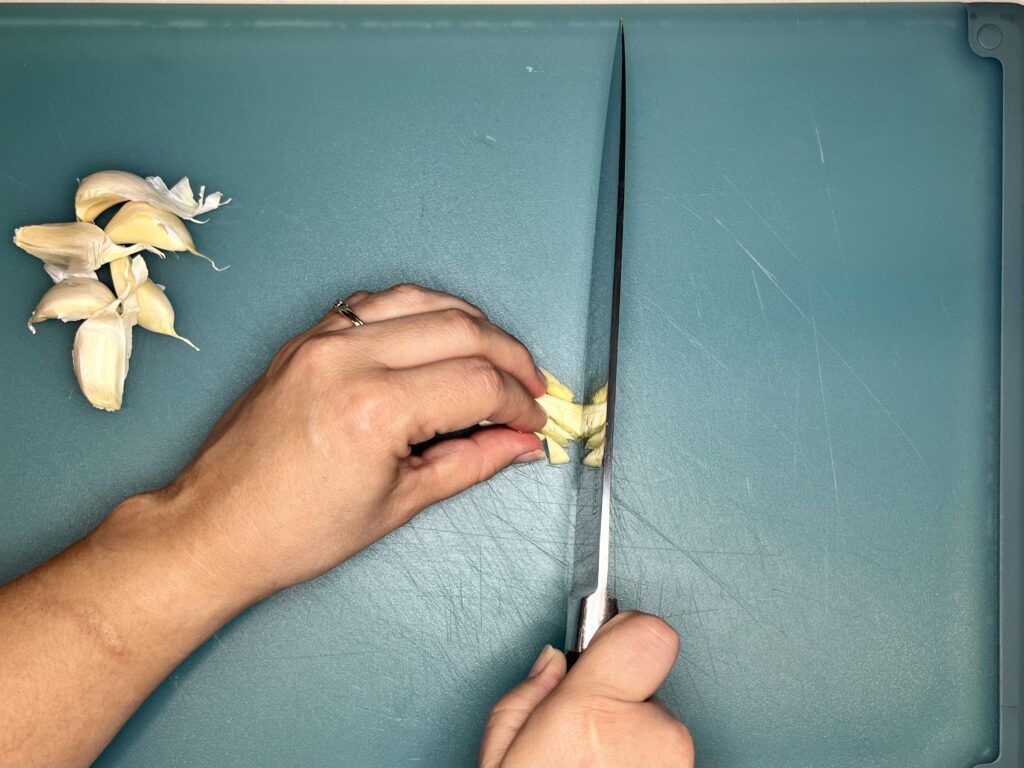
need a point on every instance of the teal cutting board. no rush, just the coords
(807, 475)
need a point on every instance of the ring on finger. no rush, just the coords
(345, 311)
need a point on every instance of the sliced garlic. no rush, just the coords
(143, 223)
(601, 396)
(595, 440)
(147, 305)
(595, 457)
(594, 417)
(556, 453)
(556, 388)
(103, 344)
(72, 299)
(100, 191)
(71, 248)
(557, 434)
(569, 416)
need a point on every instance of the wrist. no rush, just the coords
(161, 533)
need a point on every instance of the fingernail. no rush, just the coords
(526, 458)
(546, 655)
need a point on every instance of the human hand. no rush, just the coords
(600, 713)
(313, 462)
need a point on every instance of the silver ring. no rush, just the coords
(345, 311)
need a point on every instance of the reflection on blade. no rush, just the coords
(590, 605)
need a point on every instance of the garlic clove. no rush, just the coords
(99, 191)
(147, 305)
(71, 248)
(143, 223)
(71, 299)
(100, 356)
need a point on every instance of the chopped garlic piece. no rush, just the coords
(143, 223)
(593, 418)
(148, 305)
(569, 416)
(71, 248)
(595, 440)
(556, 453)
(72, 299)
(595, 457)
(100, 191)
(601, 396)
(556, 433)
(556, 388)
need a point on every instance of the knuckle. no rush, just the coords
(316, 354)
(409, 292)
(486, 377)
(462, 324)
(364, 410)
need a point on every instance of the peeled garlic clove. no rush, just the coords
(595, 457)
(100, 191)
(71, 248)
(556, 388)
(143, 223)
(569, 416)
(595, 440)
(59, 275)
(556, 453)
(71, 299)
(147, 304)
(100, 356)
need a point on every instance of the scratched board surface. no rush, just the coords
(806, 479)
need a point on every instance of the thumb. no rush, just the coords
(513, 709)
(628, 659)
(451, 466)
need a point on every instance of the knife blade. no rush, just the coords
(590, 602)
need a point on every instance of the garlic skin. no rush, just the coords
(99, 191)
(72, 299)
(147, 305)
(103, 344)
(59, 275)
(144, 223)
(71, 248)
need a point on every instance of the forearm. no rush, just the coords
(88, 635)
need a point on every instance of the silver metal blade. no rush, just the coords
(590, 603)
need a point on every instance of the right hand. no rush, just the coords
(600, 713)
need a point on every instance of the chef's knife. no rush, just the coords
(590, 603)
